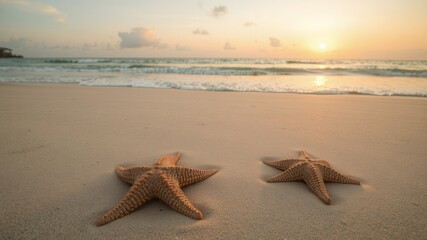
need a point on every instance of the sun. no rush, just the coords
(322, 46)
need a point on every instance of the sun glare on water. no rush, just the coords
(320, 81)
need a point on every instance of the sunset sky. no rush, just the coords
(380, 29)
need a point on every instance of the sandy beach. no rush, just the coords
(60, 144)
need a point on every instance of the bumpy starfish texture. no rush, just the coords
(164, 180)
(313, 172)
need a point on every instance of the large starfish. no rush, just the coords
(164, 180)
(313, 172)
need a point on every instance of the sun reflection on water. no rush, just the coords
(320, 81)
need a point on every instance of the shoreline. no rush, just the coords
(199, 90)
(60, 145)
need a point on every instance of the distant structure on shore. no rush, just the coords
(7, 53)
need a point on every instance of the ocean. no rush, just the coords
(372, 77)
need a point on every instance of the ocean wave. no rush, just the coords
(221, 70)
(304, 62)
(274, 86)
(60, 61)
(383, 86)
(390, 72)
(43, 79)
(78, 60)
(220, 66)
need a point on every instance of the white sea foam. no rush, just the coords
(277, 84)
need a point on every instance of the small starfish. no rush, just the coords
(313, 172)
(164, 180)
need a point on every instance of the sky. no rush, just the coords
(292, 29)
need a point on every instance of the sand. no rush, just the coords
(59, 145)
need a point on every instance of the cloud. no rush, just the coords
(249, 24)
(228, 46)
(200, 32)
(17, 43)
(274, 42)
(162, 46)
(182, 48)
(140, 37)
(38, 7)
(219, 11)
(82, 46)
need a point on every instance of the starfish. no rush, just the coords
(164, 180)
(314, 172)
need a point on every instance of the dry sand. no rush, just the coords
(59, 145)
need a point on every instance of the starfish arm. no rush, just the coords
(282, 164)
(323, 162)
(170, 192)
(169, 160)
(188, 176)
(138, 194)
(290, 175)
(331, 175)
(304, 155)
(313, 178)
(129, 175)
